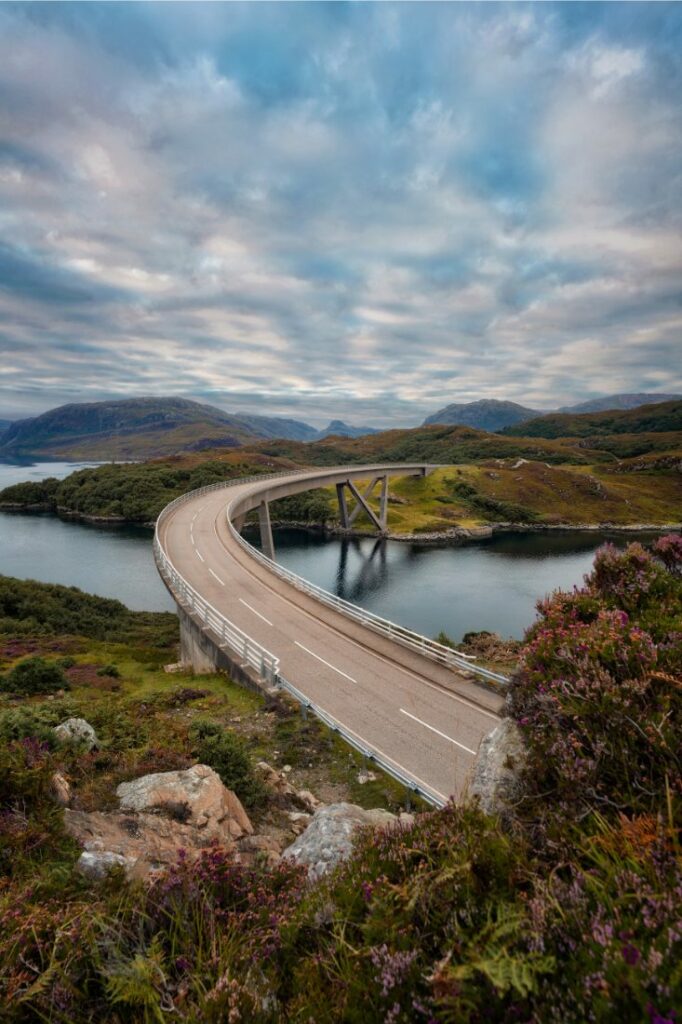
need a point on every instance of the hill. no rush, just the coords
(618, 402)
(659, 418)
(277, 426)
(488, 414)
(132, 428)
(337, 428)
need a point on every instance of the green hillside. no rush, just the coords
(658, 418)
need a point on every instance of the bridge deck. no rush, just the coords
(425, 717)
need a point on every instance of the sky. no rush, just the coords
(358, 211)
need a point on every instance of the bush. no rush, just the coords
(22, 723)
(598, 696)
(226, 754)
(109, 670)
(35, 675)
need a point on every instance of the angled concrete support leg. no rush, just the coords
(343, 507)
(383, 510)
(266, 541)
(362, 504)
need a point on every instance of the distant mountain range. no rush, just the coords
(493, 415)
(619, 402)
(140, 428)
(144, 428)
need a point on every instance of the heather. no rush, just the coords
(568, 911)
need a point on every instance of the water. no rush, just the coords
(491, 584)
(21, 472)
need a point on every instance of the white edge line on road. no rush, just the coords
(328, 664)
(251, 609)
(216, 577)
(199, 555)
(438, 732)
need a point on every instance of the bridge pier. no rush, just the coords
(266, 542)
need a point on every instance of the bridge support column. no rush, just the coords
(238, 523)
(343, 507)
(195, 648)
(266, 541)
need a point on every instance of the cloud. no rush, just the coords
(362, 211)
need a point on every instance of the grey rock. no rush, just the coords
(328, 839)
(76, 731)
(498, 769)
(98, 863)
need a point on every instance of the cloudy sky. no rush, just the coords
(362, 210)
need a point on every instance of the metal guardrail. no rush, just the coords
(386, 765)
(266, 664)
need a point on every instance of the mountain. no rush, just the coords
(618, 402)
(276, 426)
(130, 429)
(337, 428)
(663, 417)
(487, 414)
(4, 424)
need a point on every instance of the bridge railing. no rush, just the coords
(381, 760)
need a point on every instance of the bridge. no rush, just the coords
(417, 708)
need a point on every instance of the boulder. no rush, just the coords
(328, 839)
(498, 769)
(98, 865)
(195, 796)
(159, 815)
(76, 731)
(286, 794)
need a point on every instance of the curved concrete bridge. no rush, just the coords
(414, 706)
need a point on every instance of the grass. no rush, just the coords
(543, 494)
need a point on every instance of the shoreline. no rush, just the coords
(456, 534)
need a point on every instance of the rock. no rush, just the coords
(307, 801)
(287, 768)
(161, 814)
(195, 796)
(177, 666)
(498, 768)
(253, 850)
(60, 790)
(98, 865)
(328, 839)
(299, 821)
(288, 795)
(364, 777)
(76, 731)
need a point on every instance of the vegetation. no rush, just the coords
(226, 753)
(569, 912)
(28, 608)
(645, 419)
(34, 675)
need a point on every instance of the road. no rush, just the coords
(426, 718)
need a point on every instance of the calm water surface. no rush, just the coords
(491, 584)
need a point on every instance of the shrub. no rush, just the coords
(35, 675)
(109, 670)
(226, 754)
(598, 696)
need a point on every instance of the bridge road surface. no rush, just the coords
(425, 717)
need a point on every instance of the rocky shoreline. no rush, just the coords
(454, 534)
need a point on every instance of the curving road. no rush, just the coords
(426, 718)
